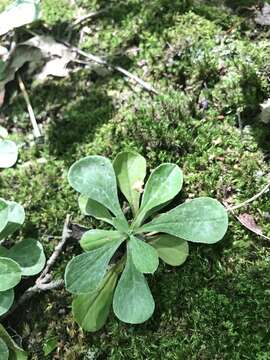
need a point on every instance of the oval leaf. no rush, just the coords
(19, 13)
(93, 208)
(85, 272)
(171, 249)
(10, 274)
(91, 310)
(202, 220)
(130, 170)
(6, 300)
(4, 352)
(16, 217)
(133, 302)
(144, 256)
(94, 177)
(16, 353)
(3, 214)
(163, 185)
(96, 238)
(8, 153)
(29, 254)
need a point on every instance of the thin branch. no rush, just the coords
(37, 288)
(57, 251)
(31, 113)
(101, 61)
(86, 17)
(253, 198)
(44, 281)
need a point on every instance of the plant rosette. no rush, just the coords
(93, 277)
(25, 258)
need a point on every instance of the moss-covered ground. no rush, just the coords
(210, 64)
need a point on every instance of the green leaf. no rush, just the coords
(6, 300)
(3, 131)
(91, 310)
(10, 274)
(4, 352)
(85, 272)
(202, 220)
(16, 217)
(3, 214)
(93, 239)
(121, 224)
(50, 345)
(16, 353)
(19, 13)
(130, 170)
(8, 153)
(171, 249)
(29, 254)
(144, 256)
(164, 184)
(94, 177)
(93, 208)
(133, 302)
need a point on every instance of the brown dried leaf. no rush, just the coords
(249, 222)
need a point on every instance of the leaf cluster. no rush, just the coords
(96, 280)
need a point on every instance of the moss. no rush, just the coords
(206, 69)
(54, 12)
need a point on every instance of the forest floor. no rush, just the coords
(209, 62)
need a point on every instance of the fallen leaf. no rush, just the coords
(263, 16)
(249, 222)
(59, 54)
(20, 56)
(40, 52)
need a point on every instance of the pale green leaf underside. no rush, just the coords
(6, 300)
(91, 310)
(121, 224)
(202, 220)
(10, 274)
(144, 256)
(16, 217)
(16, 353)
(85, 272)
(133, 302)
(93, 208)
(163, 185)
(3, 214)
(29, 254)
(8, 151)
(94, 177)
(171, 249)
(130, 170)
(19, 13)
(4, 352)
(96, 238)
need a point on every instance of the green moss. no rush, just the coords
(216, 306)
(54, 12)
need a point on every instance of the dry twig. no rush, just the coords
(101, 61)
(31, 113)
(253, 198)
(44, 281)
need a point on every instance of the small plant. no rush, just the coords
(25, 258)
(134, 247)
